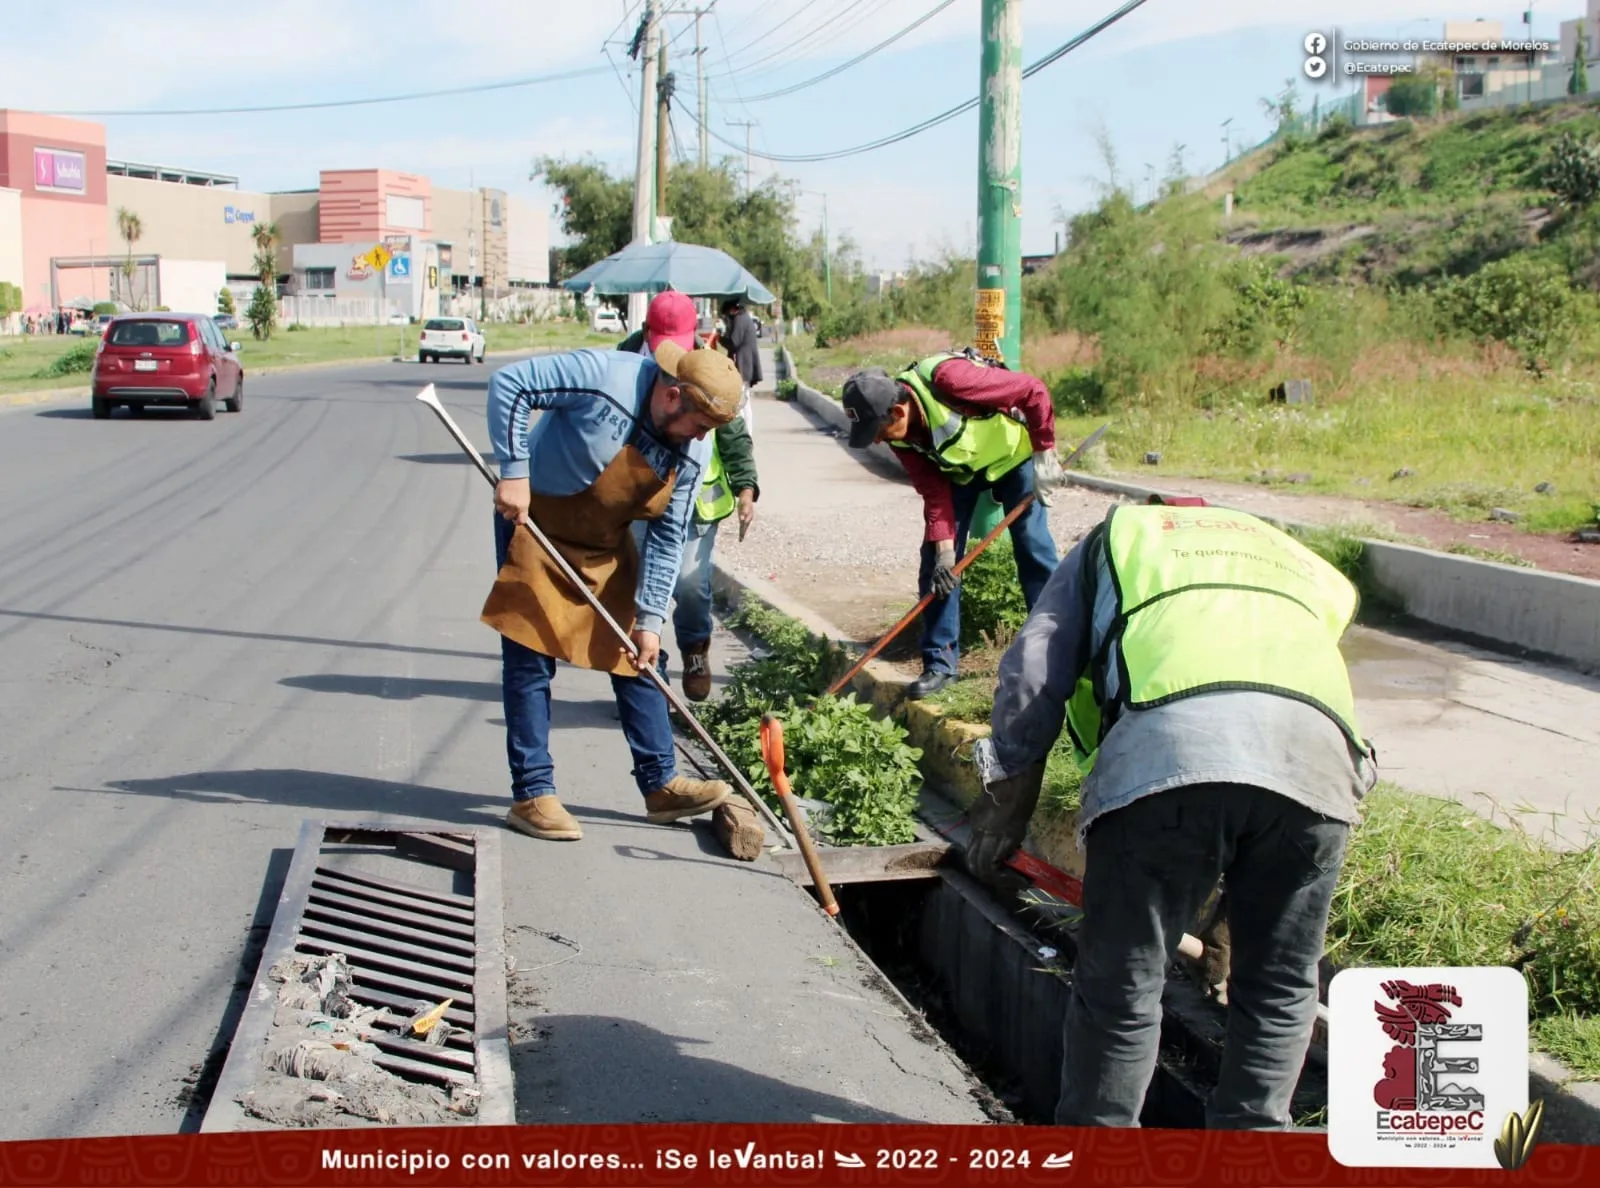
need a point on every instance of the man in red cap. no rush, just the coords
(730, 485)
(671, 315)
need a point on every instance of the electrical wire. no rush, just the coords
(835, 26)
(477, 88)
(796, 13)
(945, 116)
(859, 58)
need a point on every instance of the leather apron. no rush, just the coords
(533, 602)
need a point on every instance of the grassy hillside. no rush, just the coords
(1412, 203)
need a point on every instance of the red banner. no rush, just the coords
(734, 1154)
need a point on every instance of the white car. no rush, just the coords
(606, 320)
(450, 338)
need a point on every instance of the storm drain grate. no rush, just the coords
(416, 913)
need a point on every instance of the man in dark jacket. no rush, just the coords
(729, 486)
(743, 346)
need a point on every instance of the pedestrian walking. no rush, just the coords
(962, 426)
(621, 439)
(730, 486)
(743, 345)
(1193, 656)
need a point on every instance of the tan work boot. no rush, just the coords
(684, 797)
(697, 671)
(545, 818)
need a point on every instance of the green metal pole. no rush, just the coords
(999, 298)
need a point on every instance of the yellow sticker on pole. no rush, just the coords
(990, 322)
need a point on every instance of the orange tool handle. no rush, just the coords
(772, 753)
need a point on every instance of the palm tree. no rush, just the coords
(266, 261)
(130, 227)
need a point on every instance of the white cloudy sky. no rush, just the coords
(1169, 74)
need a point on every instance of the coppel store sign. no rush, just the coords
(58, 170)
(232, 214)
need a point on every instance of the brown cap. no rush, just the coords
(708, 378)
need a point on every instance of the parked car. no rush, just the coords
(175, 360)
(450, 338)
(606, 320)
(226, 322)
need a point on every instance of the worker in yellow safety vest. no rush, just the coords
(1192, 655)
(960, 426)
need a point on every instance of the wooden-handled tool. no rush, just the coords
(772, 752)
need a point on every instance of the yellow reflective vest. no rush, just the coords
(1210, 600)
(964, 447)
(716, 500)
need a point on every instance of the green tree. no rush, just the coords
(225, 303)
(1284, 109)
(10, 299)
(262, 312)
(1412, 95)
(596, 209)
(131, 228)
(1578, 84)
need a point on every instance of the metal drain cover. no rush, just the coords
(416, 913)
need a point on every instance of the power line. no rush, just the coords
(1055, 55)
(834, 26)
(797, 12)
(861, 57)
(478, 88)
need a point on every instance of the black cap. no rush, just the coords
(868, 397)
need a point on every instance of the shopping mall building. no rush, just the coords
(60, 236)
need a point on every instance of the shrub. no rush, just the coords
(262, 312)
(991, 595)
(75, 361)
(1525, 302)
(1267, 310)
(294, 328)
(786, 389)
(1573, 170)
(105, 307)
(225, 304)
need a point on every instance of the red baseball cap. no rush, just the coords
(671, 317)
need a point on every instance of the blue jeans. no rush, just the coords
(1031, 542)
(691, 612)
(525, 692)
(1148, 869)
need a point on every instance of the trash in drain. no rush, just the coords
(380, 998)
(321, 1035)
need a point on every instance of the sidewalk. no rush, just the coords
(1447, 719)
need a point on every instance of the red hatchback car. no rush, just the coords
(178, 360)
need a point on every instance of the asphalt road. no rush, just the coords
(211, 631)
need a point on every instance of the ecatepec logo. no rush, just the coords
(1425, 1065)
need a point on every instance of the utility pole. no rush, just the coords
(643, 168)
(746, 125)
(700, 80)
(999, 298)
(663, 130)
(827, 253)
(1227, 141)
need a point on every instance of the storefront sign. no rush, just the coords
(58, 170)
(232, 214)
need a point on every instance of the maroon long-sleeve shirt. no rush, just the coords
(970, 389)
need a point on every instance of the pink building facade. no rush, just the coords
(362, 205)
(59, 165)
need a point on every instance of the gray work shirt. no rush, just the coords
(1226, 737)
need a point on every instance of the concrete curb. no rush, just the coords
(1572, 1106)
(1553, 614)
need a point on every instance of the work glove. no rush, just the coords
(945, 580)
(1047, 473)
(1000, 816)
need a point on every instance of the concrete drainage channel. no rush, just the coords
(995, 986)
